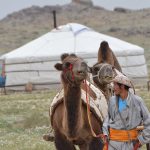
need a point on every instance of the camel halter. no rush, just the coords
(70, 69)
(98, 74)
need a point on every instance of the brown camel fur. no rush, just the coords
(70, 122)
(106, 55)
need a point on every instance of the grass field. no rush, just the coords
(24, 118)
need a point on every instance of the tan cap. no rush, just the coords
(122, 79)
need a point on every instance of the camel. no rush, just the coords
(105, 69)
(106, 55)
(102, 73)
(69, 121)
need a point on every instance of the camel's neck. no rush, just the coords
(72, 102)
(104, 88)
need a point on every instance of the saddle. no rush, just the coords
(97, 101)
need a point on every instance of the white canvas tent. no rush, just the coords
(34, 61)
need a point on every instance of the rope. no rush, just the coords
(99, 109)
(137, 145)
(102, 136)
(98, 74)
(70, 70)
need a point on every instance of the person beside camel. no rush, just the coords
(126, 112)
(106, 55)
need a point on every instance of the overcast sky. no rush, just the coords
(9, 6)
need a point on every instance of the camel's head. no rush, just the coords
(74, 69)
(102, 73)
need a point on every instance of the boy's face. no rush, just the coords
(117, 89)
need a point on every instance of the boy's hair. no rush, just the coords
(126, 87)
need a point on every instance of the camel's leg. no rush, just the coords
(62, 143)
(96, 144)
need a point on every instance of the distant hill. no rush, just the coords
(23, 26)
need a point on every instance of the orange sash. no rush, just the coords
(105, 147)
(123, 135)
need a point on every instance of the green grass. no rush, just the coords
(24, 118)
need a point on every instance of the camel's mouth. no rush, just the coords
(80, 77)
(81, 73)
(108, 78)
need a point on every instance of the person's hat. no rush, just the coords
(122, 79)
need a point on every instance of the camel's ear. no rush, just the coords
(89, 69)
(74, 55)
(113, 67)
(58, 66)
(63, 56)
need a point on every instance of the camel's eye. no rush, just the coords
(95, 69)
(66, 65)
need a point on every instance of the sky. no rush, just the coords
(9, 6)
